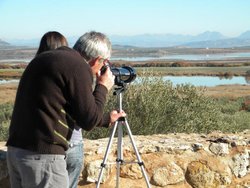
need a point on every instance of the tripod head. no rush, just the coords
(119, 89)
(118, 92)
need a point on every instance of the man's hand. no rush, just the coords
(115, 115)
(107, 79)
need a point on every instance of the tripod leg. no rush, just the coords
(119, 159)
(141, 164)
(106, 154)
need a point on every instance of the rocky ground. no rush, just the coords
(215, 160)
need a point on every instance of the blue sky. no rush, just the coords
(27, 19)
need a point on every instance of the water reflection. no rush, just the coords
(207, 80)
(220, 56)
(194, 80)
(9, 81)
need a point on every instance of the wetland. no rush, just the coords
(156, 62)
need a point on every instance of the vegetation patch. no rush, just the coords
(156, 106)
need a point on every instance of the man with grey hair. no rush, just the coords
(93, 47)
(55, 95)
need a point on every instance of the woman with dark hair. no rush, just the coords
(50, 41)
(74, 155)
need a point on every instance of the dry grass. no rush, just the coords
(8, 91)
(230, 91)
(10, 73)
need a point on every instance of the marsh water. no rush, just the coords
(208, 81)
(198, 80)
(194, 57)
(194, 80)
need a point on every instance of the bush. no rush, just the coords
(4, 133)
(5, 116)
(245, 105)
(154, 106)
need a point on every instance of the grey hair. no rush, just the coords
(93, 44)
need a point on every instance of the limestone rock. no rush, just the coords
(200, 175)
(168, 175)
(240, 164)
(93, 169)
(132, 171)
(220, 149)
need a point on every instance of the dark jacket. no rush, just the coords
(55, 93)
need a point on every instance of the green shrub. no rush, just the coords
(155, 106)
(4, 127)
(229, 106)
(5, 115)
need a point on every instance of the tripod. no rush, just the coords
(119, 160)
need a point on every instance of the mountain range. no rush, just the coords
(208, 39)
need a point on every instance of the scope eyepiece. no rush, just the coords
(123, 75)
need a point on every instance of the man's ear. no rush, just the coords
(95, 61)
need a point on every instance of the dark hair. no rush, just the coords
(50, 41)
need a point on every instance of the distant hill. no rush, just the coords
(207, 39)
(208, 36)
(240, 41)
(150, 40)
(225, 43)
(24, 42)
(3, 43)
(245, 35)
(35, 42)
(210, 39)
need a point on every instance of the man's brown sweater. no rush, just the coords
(55, 93)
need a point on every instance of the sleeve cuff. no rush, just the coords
(106, 120)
